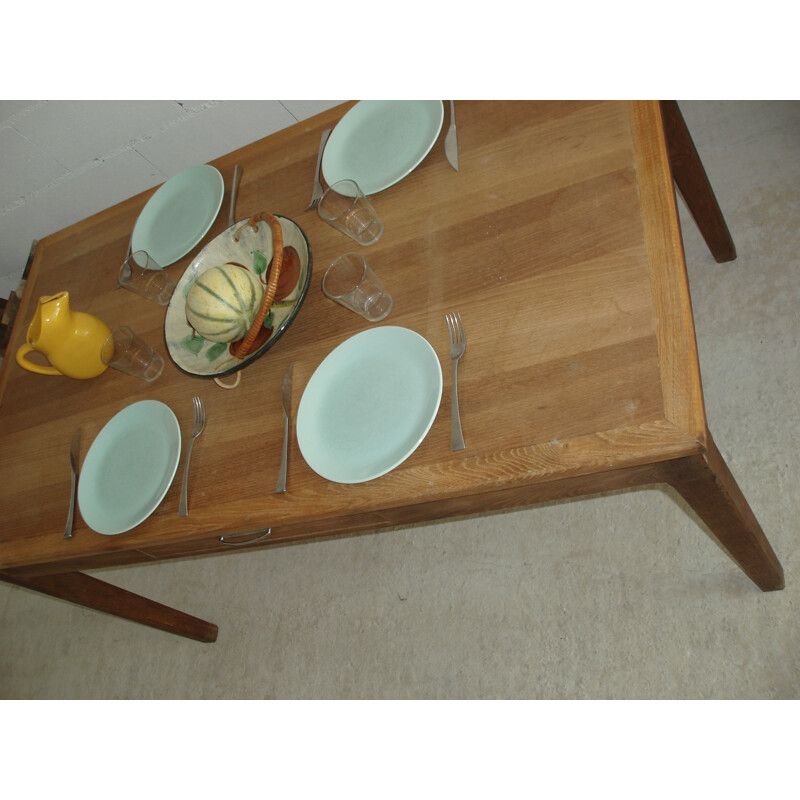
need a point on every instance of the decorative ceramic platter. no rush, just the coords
(129, 467)
(378, 142)
(202, 358)
(179, 214)
(369, 404)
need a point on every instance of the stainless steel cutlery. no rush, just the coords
(458, 344)
(74, 453)
(237, 175)
(287, 408)
(451, 141)
(318, 191)
(199, 424)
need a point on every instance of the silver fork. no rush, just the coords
(316, 195)
(458, 344)
(199, 424)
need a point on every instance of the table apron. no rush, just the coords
(367, 522)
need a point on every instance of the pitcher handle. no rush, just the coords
(30, 366)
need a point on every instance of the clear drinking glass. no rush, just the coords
(351, 283)
(345, 207)
(129, 353)
(141, 274)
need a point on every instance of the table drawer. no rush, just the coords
(212, 544)
(233, 541)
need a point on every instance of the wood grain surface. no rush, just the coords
(558, 242)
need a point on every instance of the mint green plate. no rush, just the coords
(179, 214)
(129, 467)
(378, 142)
(369, 404)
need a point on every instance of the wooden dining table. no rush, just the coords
(559, 243)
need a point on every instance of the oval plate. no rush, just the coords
(179, 214)
(129, 467)
(378, 142)
(204, 359)
(369, 404)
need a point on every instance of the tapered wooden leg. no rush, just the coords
(693, 184)
(705, 482)
(76, 587)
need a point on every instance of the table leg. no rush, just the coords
(76, 587)
(692, 181)
(706, 483)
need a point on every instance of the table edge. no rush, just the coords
(679, 366)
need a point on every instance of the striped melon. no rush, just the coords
(223, 302)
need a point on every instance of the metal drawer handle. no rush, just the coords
(246, 533)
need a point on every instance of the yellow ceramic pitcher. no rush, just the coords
(71, 340)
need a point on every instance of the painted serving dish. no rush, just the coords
(243, 243)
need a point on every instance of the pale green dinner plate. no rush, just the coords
(179, 214)
(378, 142)
(129, 467)
(369, 404)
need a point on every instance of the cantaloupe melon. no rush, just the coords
(223, 302)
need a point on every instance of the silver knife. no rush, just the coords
(74, 453)
(287, 407)
(450, 141)
(237, 174)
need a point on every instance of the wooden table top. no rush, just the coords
(558, 242)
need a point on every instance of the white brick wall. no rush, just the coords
(61, 161)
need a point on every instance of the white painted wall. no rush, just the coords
(62, 160)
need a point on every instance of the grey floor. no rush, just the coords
(620, 596)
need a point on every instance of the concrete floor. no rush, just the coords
(620, 596)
